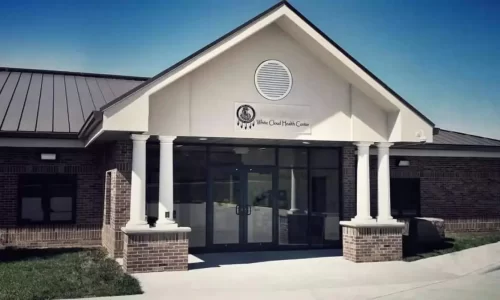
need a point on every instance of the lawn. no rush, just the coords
(452, 243)
(63, 273)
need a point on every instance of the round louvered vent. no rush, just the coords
(273, 80)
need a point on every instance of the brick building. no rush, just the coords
(272, 137)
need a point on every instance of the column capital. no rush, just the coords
(363, 144)
(384, 145)
(166, 139)
(139, 137)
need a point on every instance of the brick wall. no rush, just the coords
(118, 170)
(465, 192)
(155, 252)
(348, 182)
(372, 244)
(85, 164)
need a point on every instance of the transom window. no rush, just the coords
(47, 198)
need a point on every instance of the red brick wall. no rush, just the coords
(372, 244)
(118, 166)
(463, 191)
(85, 163)
(155, 252)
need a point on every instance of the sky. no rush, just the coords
(442, 56)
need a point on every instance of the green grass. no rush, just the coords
(64, 273)
(453, 243)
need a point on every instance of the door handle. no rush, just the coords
(237, 209)
(249, 210)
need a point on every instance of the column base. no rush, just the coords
(137, 225)
(155, 250)
(358, 220)
(372, 242)
(387, 221)
(166, 223)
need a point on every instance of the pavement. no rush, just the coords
(325, 274)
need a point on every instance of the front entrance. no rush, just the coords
(243, 207)
(241, 198)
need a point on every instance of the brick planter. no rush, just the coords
(372, 243)
(155, 250)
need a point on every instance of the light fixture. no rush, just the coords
(48, 156)
(178, 146)
(203, 139)
(262, 148)
(403, 163)
(305, 143)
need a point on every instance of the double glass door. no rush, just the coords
(243, 206)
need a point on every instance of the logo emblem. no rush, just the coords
(246, 116)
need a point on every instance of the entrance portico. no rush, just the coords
(274, 81)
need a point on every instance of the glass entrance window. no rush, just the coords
(190, 189)
(292, 204)
(325, 217)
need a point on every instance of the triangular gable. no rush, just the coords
(252, 26)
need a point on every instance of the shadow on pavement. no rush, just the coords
(215, 260)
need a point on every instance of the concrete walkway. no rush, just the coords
(324, 274)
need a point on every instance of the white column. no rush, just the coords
(138, 183)
(384, 185)
(293, 199)
(166, 201)
(363, 184)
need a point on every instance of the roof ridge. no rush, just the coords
(73, 73)
(468, 134)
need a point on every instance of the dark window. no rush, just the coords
(293, 157)
(405, 197)
(324, 158)
(243, 155)
(47, 198)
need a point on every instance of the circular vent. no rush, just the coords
(273, 80)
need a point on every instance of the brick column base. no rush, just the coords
(372, 243)
(155, 250)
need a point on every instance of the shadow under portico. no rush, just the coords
(215, 260)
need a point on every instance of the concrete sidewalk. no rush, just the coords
(323, 274)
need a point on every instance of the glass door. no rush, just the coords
(259, 205)
(226, 187)
(243, 207)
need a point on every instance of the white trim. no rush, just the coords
(439, 153)
(41, 143)
(371, 225)
(148, 230)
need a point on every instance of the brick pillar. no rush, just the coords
(348, 182)
(118, 166)
(154, 250)
(372, 244)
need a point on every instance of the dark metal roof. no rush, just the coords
(447, 137)
(40, 101)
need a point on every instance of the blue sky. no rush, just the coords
(442, 56)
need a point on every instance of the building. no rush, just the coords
(272, 137)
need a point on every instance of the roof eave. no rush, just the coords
(90, 124)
